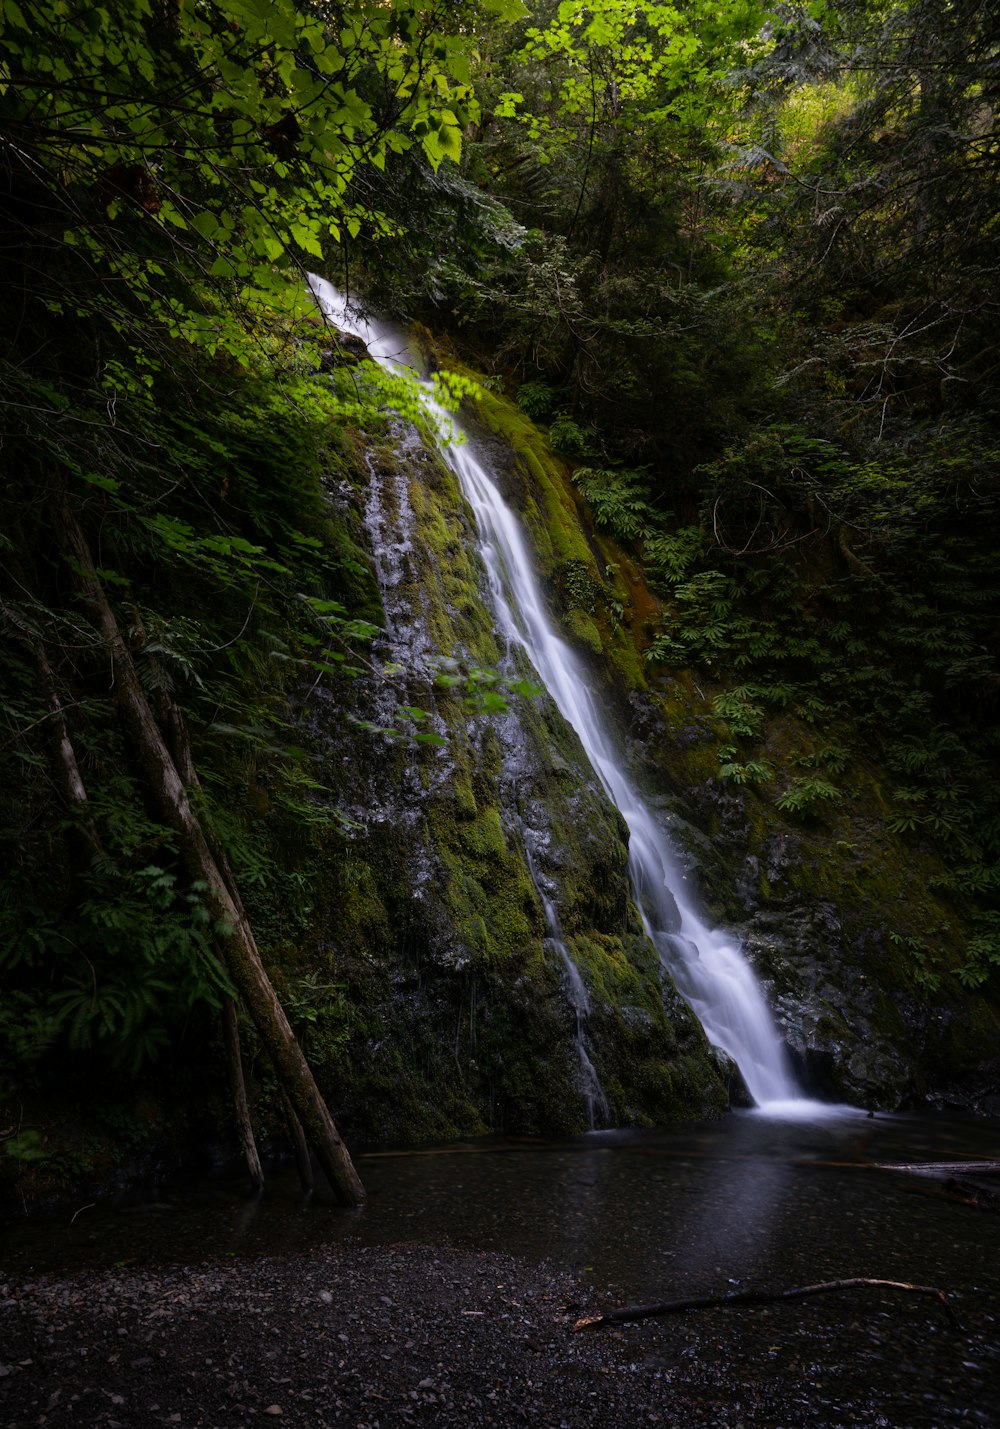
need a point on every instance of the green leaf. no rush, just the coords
(509, 10)
(307, 239)
(449, 139)
(10, 14)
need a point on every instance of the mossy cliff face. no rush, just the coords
(449, 1007)
(415, 956)
(860, 958)
(454, 1011)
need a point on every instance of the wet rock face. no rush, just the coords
(854, 1033)
(434, 922)
(828, 1008)
(828, 912)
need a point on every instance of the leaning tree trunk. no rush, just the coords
(233, 932)
(179, 745)
(300, 1149)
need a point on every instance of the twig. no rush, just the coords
(755, 1297)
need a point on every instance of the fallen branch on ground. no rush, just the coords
(754, 1297)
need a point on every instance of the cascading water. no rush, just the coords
(710, 971)
(589, 1082)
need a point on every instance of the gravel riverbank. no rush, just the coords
(373, 1337)
(346, 1337)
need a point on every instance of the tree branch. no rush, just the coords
(756, 1297)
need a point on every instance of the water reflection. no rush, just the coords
(729, 1219)
(753, 1199)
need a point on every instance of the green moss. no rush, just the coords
(560, 533)
(484, 885)
(584, 631)
(355, 584)
(474, 996)
(445, 589)
(652, 1063)
(610, 976)
(464, 795)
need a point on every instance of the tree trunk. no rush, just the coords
(299, 1147)
(180, 750)
(238, 1088)
(66, 762)
(233, 932)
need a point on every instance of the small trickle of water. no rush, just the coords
(590, 1087)
(709, 969)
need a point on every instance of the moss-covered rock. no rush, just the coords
(438, 926)
(857, 953)
(861, 949)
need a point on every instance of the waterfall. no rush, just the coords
(589, 1082)
(706, 964)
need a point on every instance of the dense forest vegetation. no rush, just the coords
(740, 262)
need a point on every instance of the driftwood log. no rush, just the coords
(755, 1297)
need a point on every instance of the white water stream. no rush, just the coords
(708, 967)
(579, 1000)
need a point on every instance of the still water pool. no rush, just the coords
(752, 1198)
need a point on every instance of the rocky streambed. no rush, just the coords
(408, 1334)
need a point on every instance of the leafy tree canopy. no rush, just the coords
(652, 61)
(216, 142)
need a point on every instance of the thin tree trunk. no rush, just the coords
(303, 1161)
(180, 749)
(238, 1088)
(66, 762)
(233, 931)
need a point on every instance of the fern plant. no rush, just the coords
(740, 711)
(536, 399)
(807, 795)
(126, 966)
(748, 771)
(832, 757)
(618, 498)
(568, 438)
(921, 963)
(983, 951)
